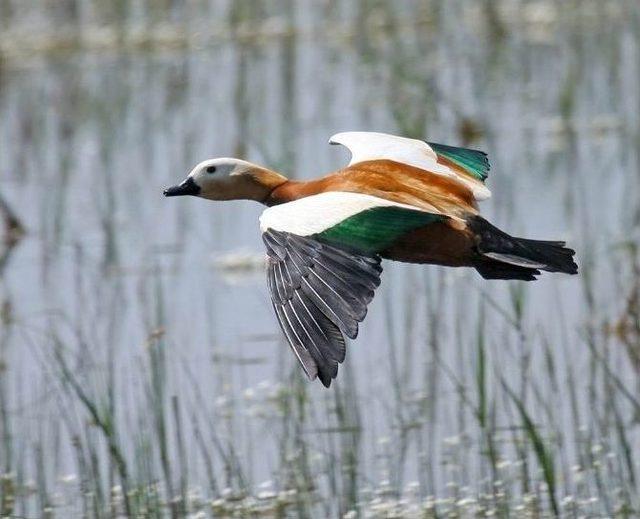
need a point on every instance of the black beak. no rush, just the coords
(188, 187)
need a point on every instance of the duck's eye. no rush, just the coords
(211, 169)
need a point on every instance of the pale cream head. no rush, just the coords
(228, 179)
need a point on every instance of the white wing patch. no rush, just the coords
(317, 213)
(365, 146)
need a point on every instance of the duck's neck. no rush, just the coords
(292, 190)
(263, 182)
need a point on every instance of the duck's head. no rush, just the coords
(228, 179)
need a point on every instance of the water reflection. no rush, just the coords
(141, 367)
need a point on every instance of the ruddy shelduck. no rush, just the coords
(399, 199)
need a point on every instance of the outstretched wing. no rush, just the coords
(468, 167)
(319, 292)
(323, 268)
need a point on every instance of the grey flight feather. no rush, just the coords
(319, 292)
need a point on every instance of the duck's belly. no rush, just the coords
(436, 243)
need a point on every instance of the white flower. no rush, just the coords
(596, 449)
(451, 441)
(68, 478)
(503, 464)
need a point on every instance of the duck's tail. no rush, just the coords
(501, 256)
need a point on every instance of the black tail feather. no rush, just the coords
(502, 256)
(499, 270)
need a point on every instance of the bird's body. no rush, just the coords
(445, 243)
(398, 199)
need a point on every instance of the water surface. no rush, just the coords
(156, 309)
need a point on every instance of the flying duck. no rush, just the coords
(399, 199)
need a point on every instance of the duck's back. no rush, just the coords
(389, 180)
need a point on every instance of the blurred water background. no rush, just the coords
(142, 371)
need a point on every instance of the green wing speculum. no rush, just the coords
(374, 230)
(473, 162)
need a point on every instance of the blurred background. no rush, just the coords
(142, 372)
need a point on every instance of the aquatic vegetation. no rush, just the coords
(135, 380)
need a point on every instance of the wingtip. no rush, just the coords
(312, 374)
(326, 382)
(335, 138)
